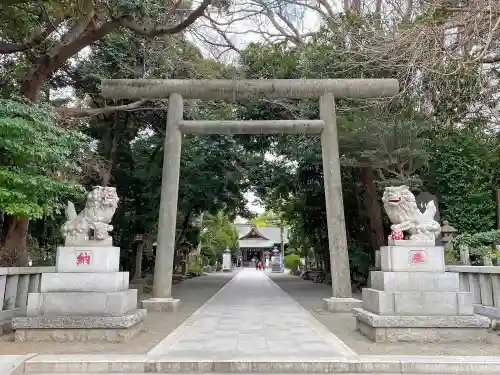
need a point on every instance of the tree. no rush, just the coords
(38, 39)
(80, 24)
(265, 219)
(218, 233)
(38, 171)
(130, 143)
(463, 172)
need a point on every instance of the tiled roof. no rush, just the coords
(270, 232)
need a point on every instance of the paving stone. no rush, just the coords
(252, 316)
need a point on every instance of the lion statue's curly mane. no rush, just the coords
(401, 207)
(92, 223)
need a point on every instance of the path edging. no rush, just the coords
(385, 364)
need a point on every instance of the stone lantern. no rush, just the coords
(447, 232)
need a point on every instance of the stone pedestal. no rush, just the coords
(161, 304)
(341, 305)
(413, 299)
(86, 299)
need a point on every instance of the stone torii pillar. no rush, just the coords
(326, 90)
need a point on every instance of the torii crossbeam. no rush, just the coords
(326, 90)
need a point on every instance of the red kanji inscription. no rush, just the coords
(418, 257)
(83, 258)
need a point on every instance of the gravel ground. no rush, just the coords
(193, 293)
(310, 296)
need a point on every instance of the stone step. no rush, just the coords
(366, 364)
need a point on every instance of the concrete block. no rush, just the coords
(87, 259)
(435, 321)
(372, 364)
(77, 335)
(162, 304)
(378, 302)
(334, 304)
(491, 312)
(414, 281)
(422, 334)
(34, 285)
(80, 322)
(432, 303)
(3, 284)
(450, 365)
(86, 363)
(465, 303)
(85, 282)
(421, 329)
(412, 259)
(82, 303)
(9, 301)
(22, 290)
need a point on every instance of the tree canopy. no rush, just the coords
(58, 135)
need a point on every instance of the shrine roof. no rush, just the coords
(262, 236)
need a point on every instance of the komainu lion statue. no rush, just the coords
(401, 207)
(91, 225)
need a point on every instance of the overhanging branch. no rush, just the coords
(8, 48)
(142, 30)
(66, 112)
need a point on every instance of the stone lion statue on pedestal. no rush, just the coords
(91, 225)
(401, 207)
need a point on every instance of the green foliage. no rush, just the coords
(480, 244)
(218, 234)
(196, 268)
(38, 160)
(265, 219)
(463, 173)
(213, 168)
(292, 262)
(451, 256)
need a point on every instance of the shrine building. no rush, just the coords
(258, 242)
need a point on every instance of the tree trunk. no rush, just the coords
(13, 242)
(372, 206)
(183, 230)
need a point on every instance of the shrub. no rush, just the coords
(292, 262)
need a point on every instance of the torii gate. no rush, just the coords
(233, 90)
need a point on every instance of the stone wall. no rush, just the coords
(15, 284)
(484, 283)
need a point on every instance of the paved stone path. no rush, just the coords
(251, 318)
(10, 363)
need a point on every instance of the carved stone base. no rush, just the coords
(161, 304)
(422, 334)
(77, 335)
(423, 329)
(341, 305)
(78, 328)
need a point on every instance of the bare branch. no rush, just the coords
(142, 30)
